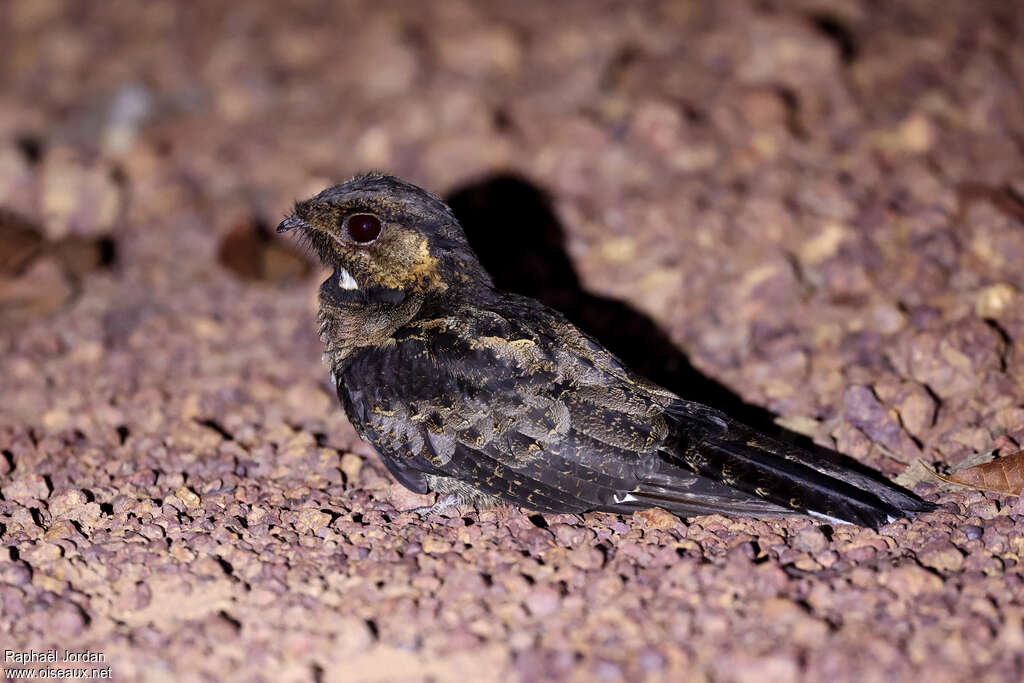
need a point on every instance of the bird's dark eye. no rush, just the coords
(363, 228)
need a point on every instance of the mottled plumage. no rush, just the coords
(467, 390)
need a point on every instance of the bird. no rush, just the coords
(486, 397)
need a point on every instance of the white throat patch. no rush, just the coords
(346, 281)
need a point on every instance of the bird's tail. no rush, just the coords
(768, 477)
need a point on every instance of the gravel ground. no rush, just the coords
(819, 202)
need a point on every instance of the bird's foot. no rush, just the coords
(449, 501)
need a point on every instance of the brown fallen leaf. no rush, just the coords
(914, 474)
(252, 253)
(80, 256)
(41, 289)
(1003, 199)
(39, 276)
(1002, 475)
(20, 242)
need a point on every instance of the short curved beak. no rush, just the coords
(291, 223)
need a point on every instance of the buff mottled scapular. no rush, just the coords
(486, 397)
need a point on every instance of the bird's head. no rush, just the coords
(387, 240)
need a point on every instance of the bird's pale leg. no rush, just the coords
(449, 501)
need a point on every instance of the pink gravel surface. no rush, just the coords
(819, 202)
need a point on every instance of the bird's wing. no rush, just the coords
(525, 407)
(504, 405)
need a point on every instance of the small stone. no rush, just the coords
(350, 465)
(571, 536)
(468, 534)
(916, 134)
(943, 557)
(994, 300)
(15, 573)
(312, 520)
(861, 553)
(307, 397)
(181, 553)
(986, 509)
(403, 499)
(586, 557)
(60, 528)
(66, 620)
(657, 518)
(542, 601)
(536, 540)
(865, 412)
(917, 411)
(152, 531)
(1011, 636)
(255, 516)
(56, 419)
(122, 504)
(810, 539)
(23, 518)
(88, 515)
(435, 546)
(951, 362)
(188, 497)
(66, 503)
(27, 489)
(220, 628)
(807, 563)
(43, 553)
(910, 580)
(827, 558)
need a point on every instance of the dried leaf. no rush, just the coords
(43, 288)
(81, 256)
(20, 242)
(38, 277)
(252, 253)
(1002, 475)
(914, 474)
(1004, 201)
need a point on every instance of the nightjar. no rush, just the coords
(484, 396)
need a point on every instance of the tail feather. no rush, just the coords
(866, 481)
(687, 494)
(791, 484)
(788, 479)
